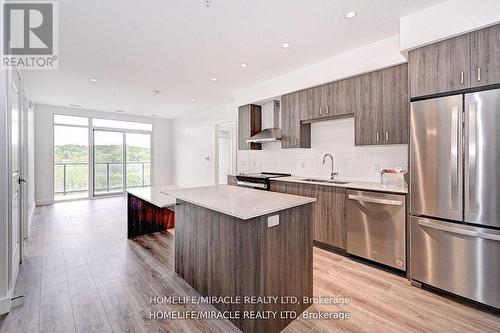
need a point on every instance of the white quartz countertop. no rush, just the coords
(156, 195)
(353, 184)
(240, 202)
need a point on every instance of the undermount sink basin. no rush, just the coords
(339, 182)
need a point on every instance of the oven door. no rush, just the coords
(252, 182)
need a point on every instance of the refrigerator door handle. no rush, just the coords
(471, 157)
(454, 157)
(458, 230)
(375, 200)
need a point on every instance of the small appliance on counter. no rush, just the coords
(260, 181)
(393, 177)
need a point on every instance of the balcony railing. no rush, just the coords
(72, 178)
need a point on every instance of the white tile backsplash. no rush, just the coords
(335, 137)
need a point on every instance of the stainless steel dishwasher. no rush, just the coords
(376, 227)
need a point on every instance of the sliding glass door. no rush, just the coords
(138, 152)
(122, 159)
(109, 155)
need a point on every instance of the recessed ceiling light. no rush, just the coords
(93, 79)
(75, 105)
(285, 45)
(119, 111)
(155, 92)
(350, 15)
(244, 65)
(155, 114)
(193, 99)
(214, 79)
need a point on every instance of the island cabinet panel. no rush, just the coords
(249, 124)
(329, 226)
(440, 67)
(220, 255)
(144, 218)
(485, 56)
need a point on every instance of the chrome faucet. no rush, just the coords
(332, 174)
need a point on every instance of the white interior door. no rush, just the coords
(15, 153)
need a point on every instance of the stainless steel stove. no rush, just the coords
(260, 181)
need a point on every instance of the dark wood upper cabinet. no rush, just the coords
(440, 67)
(249, 124)
(293, 133)
(342, 97)
(485, 56)
(368, 116)
(395, 105)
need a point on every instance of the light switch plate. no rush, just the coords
(273, 221)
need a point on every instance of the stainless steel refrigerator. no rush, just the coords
(455, 194)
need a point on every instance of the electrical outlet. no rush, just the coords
(273, 221)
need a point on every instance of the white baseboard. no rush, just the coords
(44, 202)
(5, 305)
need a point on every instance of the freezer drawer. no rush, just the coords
(376, 227)
(457, 258)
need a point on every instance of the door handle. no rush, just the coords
(320, 110)
(479, 74)
(462, 77)
(21, 180)
(378, 137)
(328, 109)
(471, 158)
(386, 136)
(454, 157)
(458, 230)
(375, 200)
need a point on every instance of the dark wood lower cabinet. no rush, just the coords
(329, 225)
(144, 218)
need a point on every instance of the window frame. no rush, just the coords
(90, 158)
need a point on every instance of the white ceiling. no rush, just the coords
(177, 46)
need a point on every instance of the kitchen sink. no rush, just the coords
(339, 182)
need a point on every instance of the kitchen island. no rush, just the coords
(150, 209)
(252, 246)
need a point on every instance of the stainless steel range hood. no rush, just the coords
(270, 124)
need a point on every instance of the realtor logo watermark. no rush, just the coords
(30, 35)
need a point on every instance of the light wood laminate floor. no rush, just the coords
(80, 273)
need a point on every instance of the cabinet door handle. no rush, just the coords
(320, 110)
(479, 74)
(386, 136)
(328, 109)
(462, 77)
(378, 137)
(295, 141)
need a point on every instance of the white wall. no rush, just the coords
(44, 135)
(335, 137)
(383, 53)
(194, 141)
(4, 197)
(447, 19)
